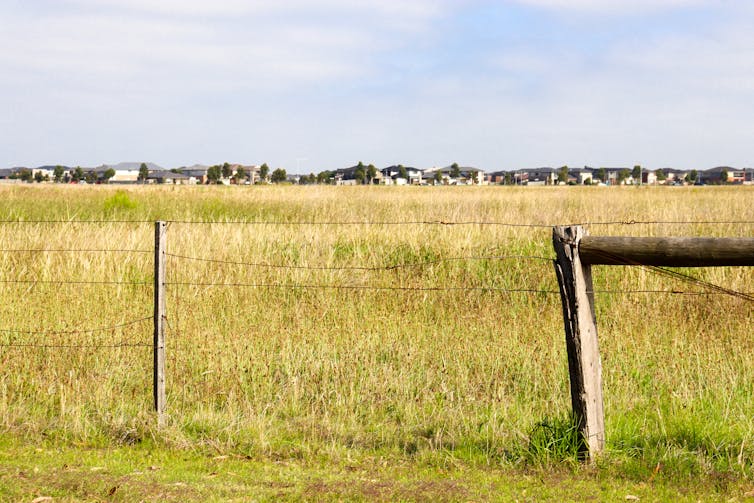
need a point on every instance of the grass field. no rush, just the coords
(295, 343)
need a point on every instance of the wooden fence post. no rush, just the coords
(159, 321)
(584, 365)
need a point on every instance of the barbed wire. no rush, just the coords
(78, 331)
(66, 250)
(662, 292)
(363, 287)
(129, 342)
(125, 344)
(362, 268)
(74, 221)
(439, 289)
(678, 275)
(664, 222)
(359, 222)
(68, 282)
(384, 223)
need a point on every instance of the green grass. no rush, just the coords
(150, 471)
(473, 382)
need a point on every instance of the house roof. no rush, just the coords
(167, 175)
(397, 167)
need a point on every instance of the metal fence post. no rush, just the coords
(159, 321)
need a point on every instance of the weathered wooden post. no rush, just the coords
(576, 253)
(159, 321)
(584, 365)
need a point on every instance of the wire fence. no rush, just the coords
(134, 330)
(704, 287)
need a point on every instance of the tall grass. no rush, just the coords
(427, 374)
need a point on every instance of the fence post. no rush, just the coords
(159, 321)
(584, 365)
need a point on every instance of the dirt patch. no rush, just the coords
(381, 490)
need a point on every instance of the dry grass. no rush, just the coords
(298, 372)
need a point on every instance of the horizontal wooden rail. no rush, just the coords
(666, 251)
(576, 253)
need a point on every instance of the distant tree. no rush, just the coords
(143, 173)
(325, 177)
(214, 173)
(455, 171)
(39, 177)
(636, 174)
(66, 178)
(227, 171)
(91, 177)
(78, 174)
(691, 176)
(371, 173)
(563, 174)
(309, 179)
(108, 174)
(402, 173)
(623, 176)
(278, 176)
(360, 175)
(58, 173)
(25, 175)
(724, 176)
(660, 174)
(438, 178)
(602, 175)
(240, 175)
(508, 179)
(264, 170)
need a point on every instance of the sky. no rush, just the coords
(312, 85)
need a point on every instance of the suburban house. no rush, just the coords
(352, 175)
(542, 176)
(170, 177)
(392, 175)
(8, 175)
(198, 172)
(715, 175)
(347, 176)
(466, 175)
(251, 174)
(583, 176)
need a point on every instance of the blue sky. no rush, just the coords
(313, 85)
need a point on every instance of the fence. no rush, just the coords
(575, 289)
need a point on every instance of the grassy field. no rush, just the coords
(295, 342)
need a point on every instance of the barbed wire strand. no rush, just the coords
(64, 250)
(77, 346)
(78, 331)
(124, 343)
(666, 222)
(662, 292)
(679, 276)
(67, 282)
(384, 223)
(61, 221)
(362, 268)
(358, 222)
(362, 287)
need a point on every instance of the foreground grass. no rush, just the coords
(148, 472)
(272, 360)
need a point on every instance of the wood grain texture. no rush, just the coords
(667, 251)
